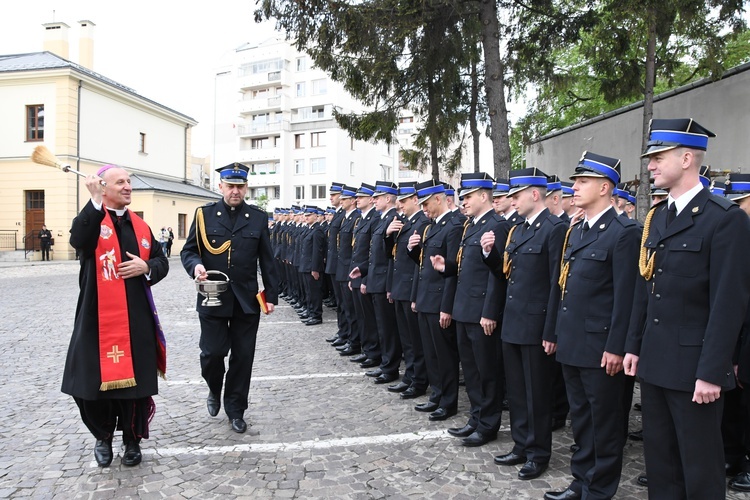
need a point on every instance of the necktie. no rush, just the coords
(671, 213)
(526, 225)
(584, 229)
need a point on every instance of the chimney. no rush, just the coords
(56, 39)
(86, 44)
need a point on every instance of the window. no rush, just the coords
(298, 141)
(34, 199)
(181, 225)
(142, 144)
(320, 87)
(406, 119)
(301, 63)
(319, 112)
(317, 165)
(317, 139)
(261, 67)
(301, 89)
(35, 122)
(299, 166)
(299, 192)
(319, 192)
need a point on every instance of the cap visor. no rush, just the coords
(516, 189)
(423, 200)
(658, 149)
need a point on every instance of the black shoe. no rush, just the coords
(339, 342)
(385, 378)
(358, 358)
(441, 414)
(636, 435)
(213, 404)
(103, 452)
(461, 432)
(740, 482)
(374, 373)
(574, 448)
(558, 424)
(427, 407)
(351, 351)
(400, 387)
(304, 318)
(637, 407)
(478, 439)
(568, 494)
(238, 425)
(532, 470)
(345, 345)
(642, 480)
(369, 363)
(313, 321)
(132, 455)
(412, 393)
(332, 339)
(510, 459)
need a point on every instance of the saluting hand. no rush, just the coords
(394, 226)
(438, 263)
(487, 241)
(414, 240)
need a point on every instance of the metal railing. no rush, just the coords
(8, 239)
(31, 242)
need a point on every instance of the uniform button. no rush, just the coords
(570, 274)
(659, 271)
(510, 297)
(656, 321)
(565, 308)
(684, 245)
(593, 255)
(658, 296)
(661, 246)
(606, 328)
(572, 258)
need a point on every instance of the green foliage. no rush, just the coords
(262, 202)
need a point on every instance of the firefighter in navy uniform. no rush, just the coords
(232, 237)
(693, 259)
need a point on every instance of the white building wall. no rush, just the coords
(14, 98)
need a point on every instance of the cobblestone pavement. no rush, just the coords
(319, 427)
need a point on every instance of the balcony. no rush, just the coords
(255, 106)
(257, 155)
(261, 80)
(261, 129)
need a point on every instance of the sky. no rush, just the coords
(166, 50)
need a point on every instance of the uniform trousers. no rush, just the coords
(528, 375)
(682, 445)
(367, 328)
(350, 314)
(314, 296)
(415, 371)
(595, 415)
(442, 341)
(390, 345)
(219, 336)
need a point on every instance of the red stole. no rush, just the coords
(115, 354)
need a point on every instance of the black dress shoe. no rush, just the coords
(385, 378)
(477, 438)
(441, 414)
(461, 432)
(636, 435)
(132, 455)
(568, 494)
(103, 452)
(339, 342)
(642, 480)
(304, 318)
(213, 404)
(531, 470)
(369, 363)
(574, 448)
(351, 351)
(358, 358)
(400, 387)
(238, 425)
(341, 347)
(427, 407)
(332, 339)
(412, 393)
(374, 373)
(510, 459)
(313, 321)
(740, 482)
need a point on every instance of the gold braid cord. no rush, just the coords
(461, 248)
(507, 261)
(204, 239)
(395, 243)
(421, 252)
(646, 261)
(354, 237)
(565, 267)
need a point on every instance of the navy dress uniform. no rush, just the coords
(531, 264)
(363, 306)
(332, 262)
(480, 294)
(401, 283)
(312, 260)
(597, 280)
(232, 240)
(434, 294)
(693, 258)
(343, 266)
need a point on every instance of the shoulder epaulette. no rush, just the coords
(555, 220)
(722, 202)
(625, 221)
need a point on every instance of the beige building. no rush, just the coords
(87, 121)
